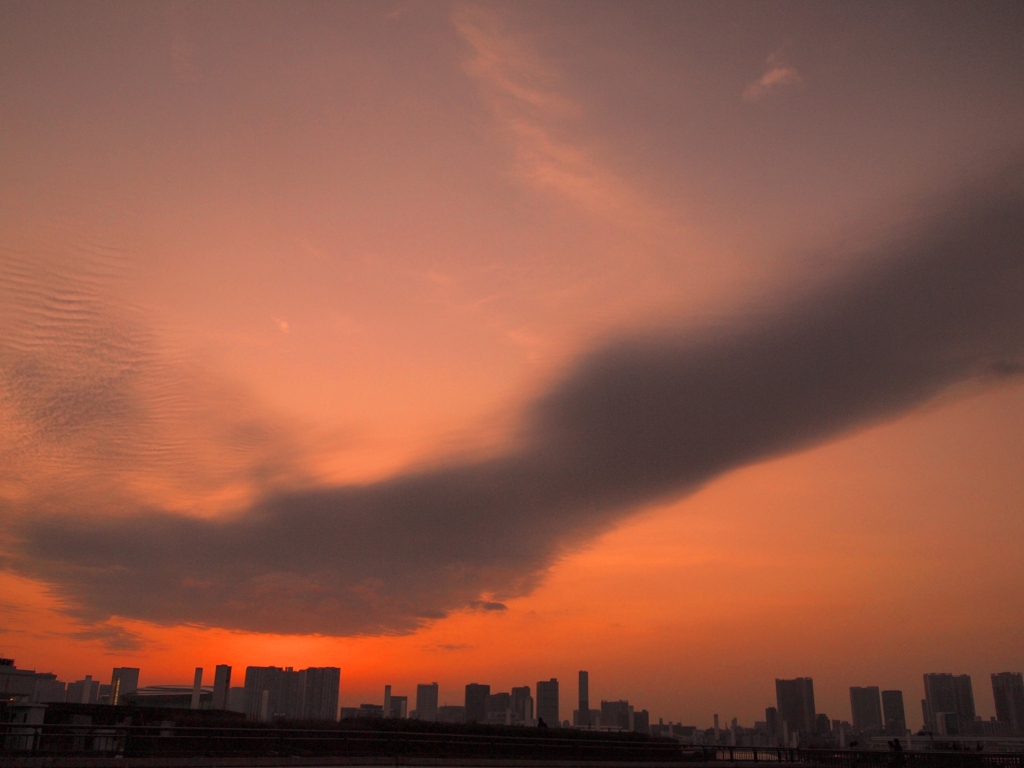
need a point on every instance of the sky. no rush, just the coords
(483, 342)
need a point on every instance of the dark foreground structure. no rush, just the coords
(84, 736)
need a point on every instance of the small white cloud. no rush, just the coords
(776, 76)
(281, 323)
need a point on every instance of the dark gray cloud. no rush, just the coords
(115, 639)
(646, 418)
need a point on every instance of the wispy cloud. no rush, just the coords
(542, 123)
(646, 418)
(98, 413)
(777, 76)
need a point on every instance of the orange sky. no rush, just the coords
(320, 244)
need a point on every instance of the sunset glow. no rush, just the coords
(491, 342)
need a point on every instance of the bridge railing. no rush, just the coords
(171, 740)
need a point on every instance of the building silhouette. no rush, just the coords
(426, 701)
(1008, 692)
(547, 702)
(866, 706)
(221, 687)
(773, 725)
(124, 680)
(274, 692)
(795, 701)
(21, 684)
(476, 702)
(615, 714)
(498, 709)
(399, 708)
(320, 687)
(583, 717)
(895, 718)
(642, 721)
(948, 704)
(85, 691)
(522, 706)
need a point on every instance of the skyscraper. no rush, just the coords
(476, 702)
(426, 701)
(261, 688)
(522, 706)
(547, 702)
(124, 680)
(946, 694)
(584, 690)
(642, 721)
(273, 692)
(773, 726)
(1008, 692)
(197, 688)
(867, 709)
(320, 687)
(795, 700)
(221, 687)
(892, 710)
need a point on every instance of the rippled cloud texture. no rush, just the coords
(644, 418)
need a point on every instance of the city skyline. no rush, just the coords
(483, 341)
(868, 709)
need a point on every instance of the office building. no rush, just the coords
(615, 714)
(894, 718)
(866, 706)
(221, 687)
(20, 684)
(399, 708)
(773, 726)
(85, 691)
(426, 702)
(123, 680)
(547, 702)
(642, 721)
(197, 689)
(522, 706)
(261, 692)
(476, 702)
(310, 694)
(583, 717)
(795, 702)
(236, 699)
(498, 709)
(822, 725)
(950, 699)
(1008, 692)
(272, 692)
(320, 687)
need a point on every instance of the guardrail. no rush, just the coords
(850, 758)
(169, 740)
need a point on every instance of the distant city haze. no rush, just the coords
(488, 343)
